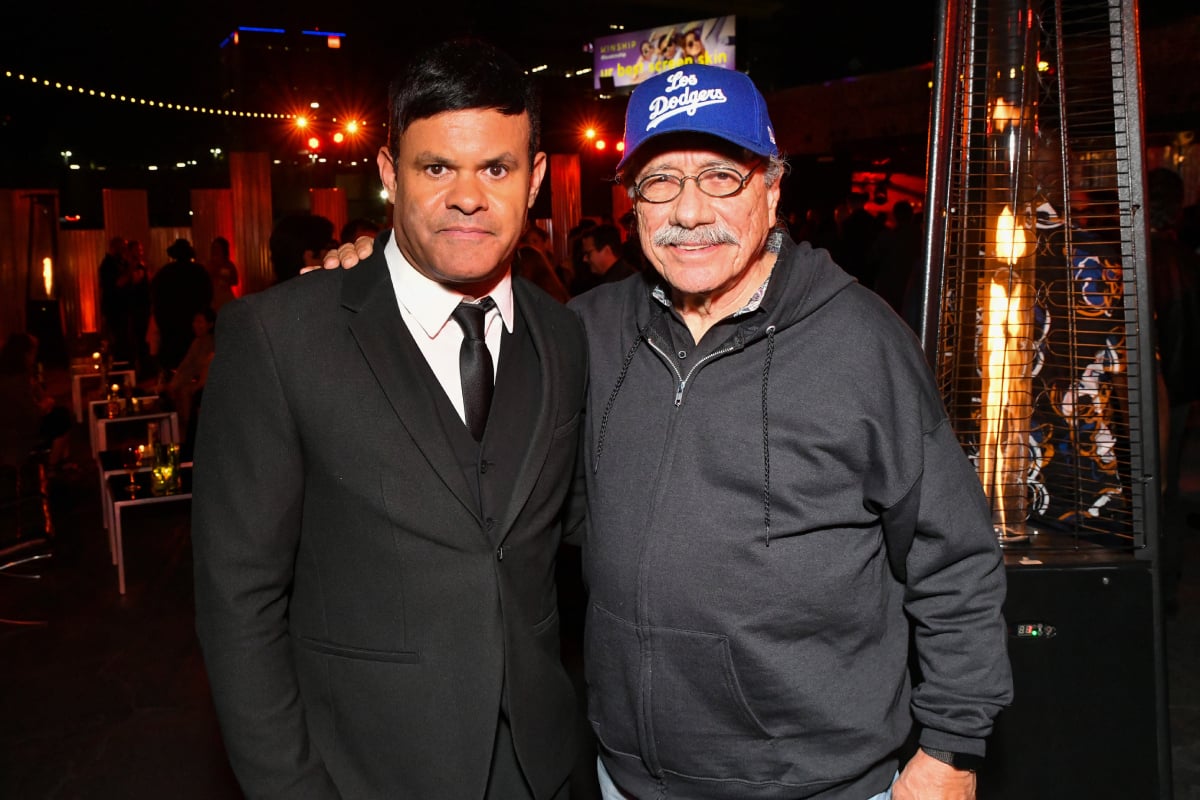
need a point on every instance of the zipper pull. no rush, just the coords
(679, 394)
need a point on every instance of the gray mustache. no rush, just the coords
(675, 236)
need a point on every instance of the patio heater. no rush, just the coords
(43, 315)
(1037, 324)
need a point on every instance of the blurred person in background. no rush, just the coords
(113, 276)
(179, 290)
(601, 250)
(187, 384)
(530, 263)
(140, 305)
(1175, 279)
(355, 228)
(222, 272)
(29, 418)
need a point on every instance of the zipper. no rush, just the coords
(681, 379)
(644, 720)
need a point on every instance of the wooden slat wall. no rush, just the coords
(566, 201)
(250, 182)
(126, 214)
(330, 204)
(79, 256)
(212, 216)
(13, 234)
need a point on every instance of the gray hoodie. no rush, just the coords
(746, 636)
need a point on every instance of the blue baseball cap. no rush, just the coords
(697, 98)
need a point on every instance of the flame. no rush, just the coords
(1011, 240)
(1007, 360)
(48, 276)
(1003, 113)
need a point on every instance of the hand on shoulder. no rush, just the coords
(347, 256)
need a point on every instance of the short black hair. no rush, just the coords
(603, 236)
(459, 75)
(292, 237)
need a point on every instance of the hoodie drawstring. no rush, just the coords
(766, 435)
(612, 398)
(766, 428)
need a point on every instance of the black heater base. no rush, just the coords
(1087, 719)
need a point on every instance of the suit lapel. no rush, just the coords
(545, 413)
(399, 367)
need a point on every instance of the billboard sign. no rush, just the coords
(632, 56)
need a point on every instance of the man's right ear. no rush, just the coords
(387, 173)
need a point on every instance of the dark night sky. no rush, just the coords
(169, 51)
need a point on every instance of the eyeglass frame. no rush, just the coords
(743, 180)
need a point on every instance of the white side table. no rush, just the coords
(125, 377)
(121, 500)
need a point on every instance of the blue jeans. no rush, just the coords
(609, 790)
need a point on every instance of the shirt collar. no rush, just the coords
(431, 303)
(659, 293)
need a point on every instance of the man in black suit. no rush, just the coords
(375, 540)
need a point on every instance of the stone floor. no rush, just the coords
(109, 699)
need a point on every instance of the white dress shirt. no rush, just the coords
(426, 306)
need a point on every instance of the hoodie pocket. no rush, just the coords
(702, 723)
(611, 664)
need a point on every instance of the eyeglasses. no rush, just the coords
(714, 182)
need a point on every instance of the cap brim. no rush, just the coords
(738, 141)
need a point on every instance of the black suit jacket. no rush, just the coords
(357, 621)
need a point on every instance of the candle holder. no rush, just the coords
(165, 477)
(131, 461)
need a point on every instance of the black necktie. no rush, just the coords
(475, 364)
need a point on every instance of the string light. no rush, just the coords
(142, 101)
